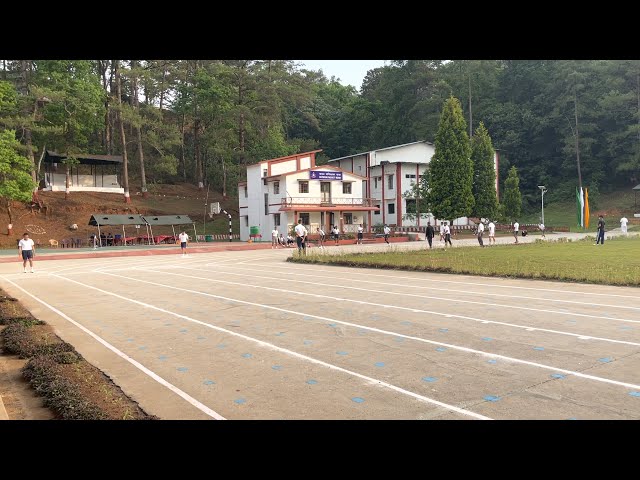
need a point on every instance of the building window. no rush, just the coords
(375, 182)
(346, 188)
(348, 218)
(408, 175)
(392, 208)
(411, 205)
(305, 218)
(264, 172)
(359, 168)
(266, 204)
(303, 187)
(276, 188)
(378, 212)
(246, 192)
(276, 219)
(390, 182)
(246, 220)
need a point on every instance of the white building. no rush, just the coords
(389, 173)
(280, 191)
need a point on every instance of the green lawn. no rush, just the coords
(615, 263)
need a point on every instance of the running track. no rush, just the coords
(244, 335)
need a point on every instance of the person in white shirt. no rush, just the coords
(480, 233)
(623, 225)
(447, 235)
(184, 239)
(492, 233)
(301, 237)
(336, 234)
(516, 227)
(387, 231)
(274, 238)
(321, 237)
(541, 227)
(26, 249)
(360, 234)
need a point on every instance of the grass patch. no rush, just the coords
(615, 263)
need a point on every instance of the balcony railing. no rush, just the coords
(323, 202)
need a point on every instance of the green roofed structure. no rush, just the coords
(98, 220)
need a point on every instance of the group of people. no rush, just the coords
(279, 240)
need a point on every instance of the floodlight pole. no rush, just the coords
(543, 189)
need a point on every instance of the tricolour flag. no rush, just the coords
(581, 207)
(586, 208)
(578, 206)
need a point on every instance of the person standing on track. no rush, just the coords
(541, 227)
(336, 234)
(360, 234)
(274, 238)
(480, 233)
(492, 233)
(321, 237)
(516, 228)
(301, 236)
(623, 225)
(600, 237)
(447, 235)
(26, 249)
(430, 234)
(184, 239)
(386, 231)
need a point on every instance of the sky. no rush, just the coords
(350, 72)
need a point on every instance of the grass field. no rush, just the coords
(615, 263)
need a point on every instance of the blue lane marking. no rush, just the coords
(492, 361)
(443, 330)
(379, 364)
(405, 323)
(184, 330)
(162, 357)
(572, 418)
(441, 349)
(209, 382)
(279, 334)
(361, 331)
(332, 325)
(358, 399)
(605, 359)
(538, 348)
(202, 338)
(557, 375)
(307, 342)
(429, 379)
(168, 324)
(491, 398)
(305, 318)
(312, 382)
(182, 369)
(247, 355)
(142, 348)
(277, 367)
(398, 339)
(240, 401)
(129, 339)
(634, 394)
(487, 339)
(374, 316)
(221, 345)
(341, 353)
(625, 327)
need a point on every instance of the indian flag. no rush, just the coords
(579, 207)
(582, 204)
(586, 208)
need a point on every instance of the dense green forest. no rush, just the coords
(203, 121)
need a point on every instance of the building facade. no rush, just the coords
(280, 191)
(390, 173)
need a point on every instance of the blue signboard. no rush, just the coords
(320, 175)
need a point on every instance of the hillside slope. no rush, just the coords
(183, 199)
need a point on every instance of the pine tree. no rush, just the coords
(451, 170)
(16, 182)
(484, 174)
(512, 199)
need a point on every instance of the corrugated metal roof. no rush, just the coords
(106, 219)
(380, 150)
(168, 219)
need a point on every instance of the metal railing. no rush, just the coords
(319, 201)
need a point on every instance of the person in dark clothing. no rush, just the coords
(430, 234)
(600, 236)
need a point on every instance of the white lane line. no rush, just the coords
(384, 305)
(370, 380)
(352, 271)
(200, 406)
(466, 292)
(558, 312)
(385, 332)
